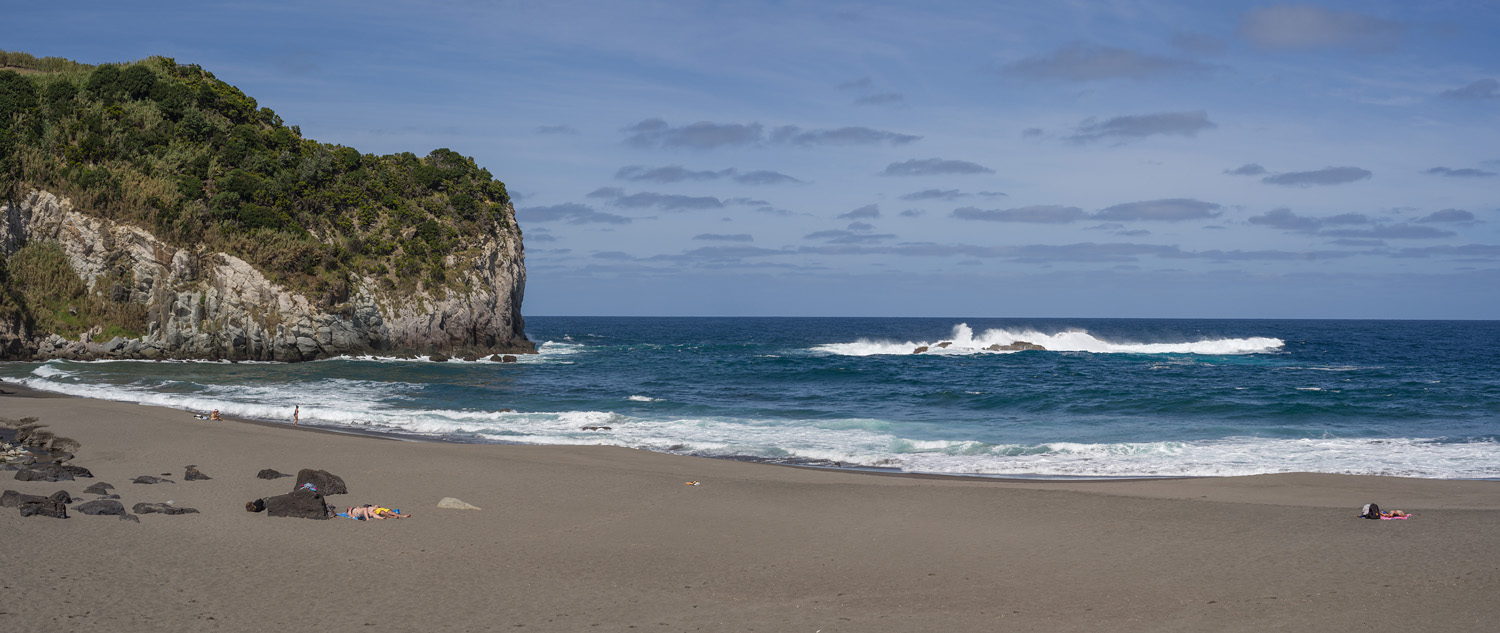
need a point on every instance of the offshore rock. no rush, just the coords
(212, 305)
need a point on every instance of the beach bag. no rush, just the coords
(1371, 511)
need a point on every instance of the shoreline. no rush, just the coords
(606, 538)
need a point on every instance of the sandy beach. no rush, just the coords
(611, 539)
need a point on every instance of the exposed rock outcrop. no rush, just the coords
(214, 305)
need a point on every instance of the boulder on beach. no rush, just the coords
(193, 474)
(99, 488)
(14, 499)
(148, 479)
(61, 496)
(301, 504)
(52, 472)
(161, 508)
(44, 507)
(270, 473)
(325, 482)
(101, 506)
(455, 504)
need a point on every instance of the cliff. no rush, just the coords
(203, 304)
(151, 210)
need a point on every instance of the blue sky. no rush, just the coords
(965, 159)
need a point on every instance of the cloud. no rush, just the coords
(1481, 90)
(1038, 214)
(554, 129)
(718, 237)
(848, 237)
(668, 201)
(570, 213)
(1142, 125)
(1247, 169)
(1324, 176)
(726, 252)
(1459, 173)
(1287, 27)
(608, 193)
(1080, 62)
(913, 213)
(702, 135)
(1198, 44)
(880, 99)
(1390, 232)
(1465, 251)
(934, 166)
(863, 83)
(867, 211)
(935, 194)
(1448, 215)
(793, 135)
(763, 177)
(1165, 210)
(1286, 220)
(613, 255)
(666, 175)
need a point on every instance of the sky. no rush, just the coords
(952, 159)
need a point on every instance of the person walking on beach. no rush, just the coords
(296, 413)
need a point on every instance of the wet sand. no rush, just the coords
(611, 539)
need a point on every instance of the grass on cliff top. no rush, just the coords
(47, 295)
(171, 148)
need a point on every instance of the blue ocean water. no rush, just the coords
(1108, 397)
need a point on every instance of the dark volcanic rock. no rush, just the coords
(302, 504)
(919, 350)
(100, 488)
(44, 507)
(270, 473)
(62, 497)
(326, 483)
(148, 479)
(14, 499)
(507, 359)
(101, 506)
(438, 358)
(52, 472)
(160, 508)
(193, 474)
(495, 359)
(469, 358)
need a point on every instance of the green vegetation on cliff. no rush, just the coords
(173, 149)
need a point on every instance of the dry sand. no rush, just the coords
(610, 539)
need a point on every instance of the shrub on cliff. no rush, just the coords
(172, 148)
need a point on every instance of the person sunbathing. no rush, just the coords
(370, 511)
(1394, 514)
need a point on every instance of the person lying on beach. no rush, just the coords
(1394, 514)
(369, 511)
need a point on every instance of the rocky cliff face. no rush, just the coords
(214, 305)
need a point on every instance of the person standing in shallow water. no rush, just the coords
(296, 413)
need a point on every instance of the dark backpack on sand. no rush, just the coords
(1371, 511)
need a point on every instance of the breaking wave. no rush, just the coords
(963, 341)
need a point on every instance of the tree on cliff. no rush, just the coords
(171, 148)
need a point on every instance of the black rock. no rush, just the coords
(52, 472)
(326, 483)
(148, 479)
(61, 496)
(130, 517)
(109, 496)
(100, 488)
(507, 359)
(438, 358)
(46, 508)
(14, 499)
(302, 504)
(469, 358)
(160, 508)
(193, 474)
(268, 473)
(101, 506)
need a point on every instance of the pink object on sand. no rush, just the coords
(1395, 518)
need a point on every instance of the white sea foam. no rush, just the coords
(963, 342)
(643, 399)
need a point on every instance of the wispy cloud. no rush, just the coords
(720, 237)
(677, 173)
(1459, 173)
(1482, 90)
(1289, 27)
(1165, 210)
(934, 194)
(1037, 214)
(570, 213)
(704, 135)
(793, 135)
(668, 201)
(867, 211)
(882, 98)
(1346, 225)
(555, 129)
(1143, 125)
(1456, 216)
(1247, 169)
(1324, 176)
(934, 166)
(1081, 62)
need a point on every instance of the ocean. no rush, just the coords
(1106, 398)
